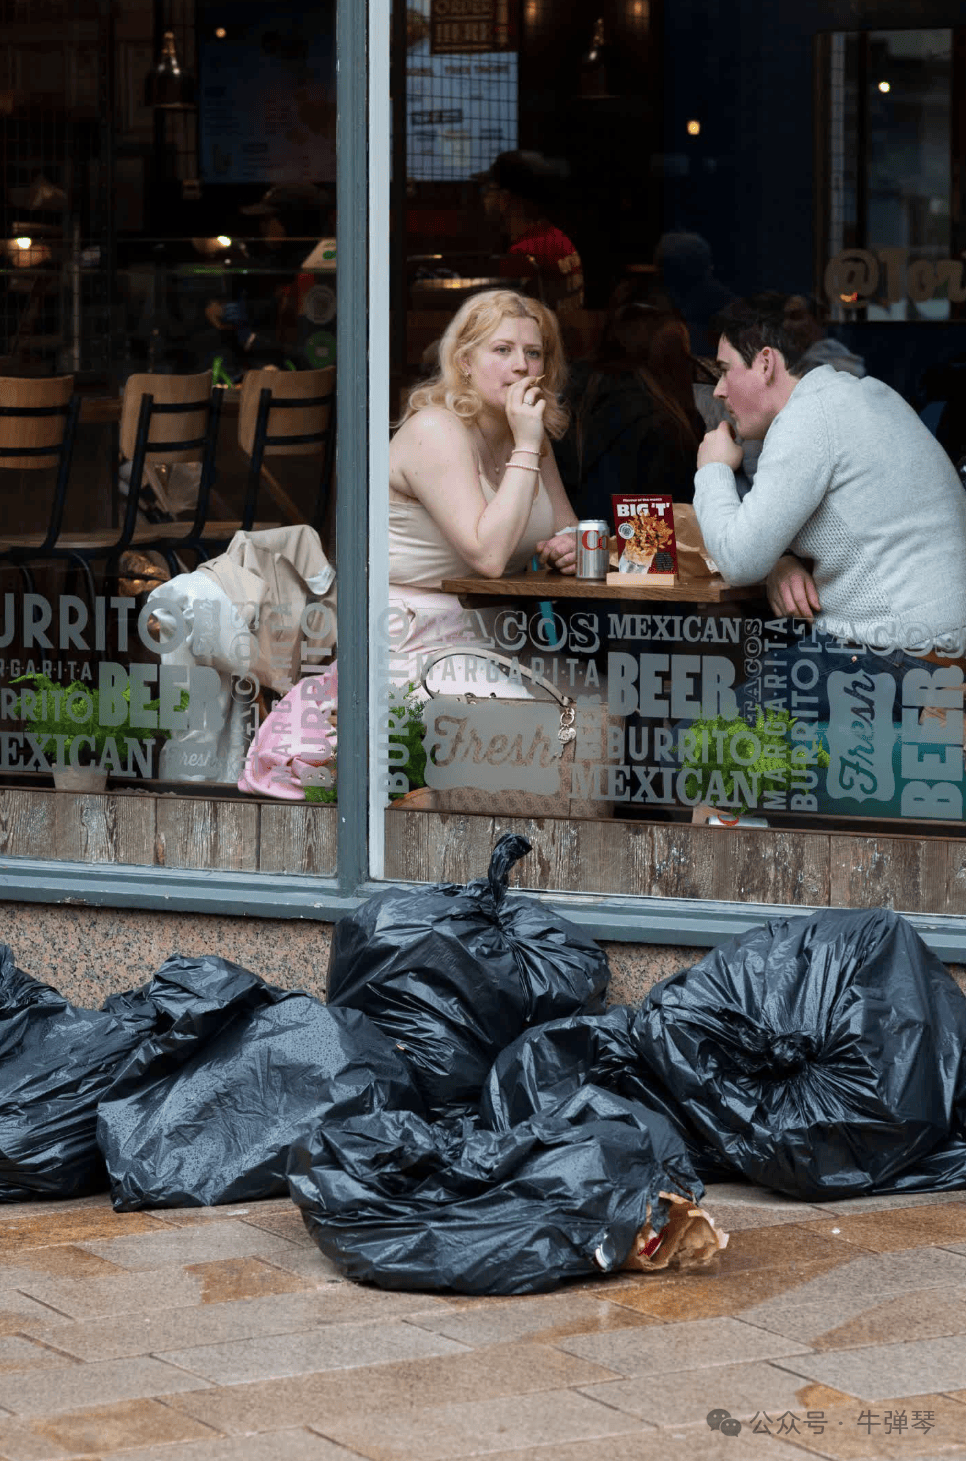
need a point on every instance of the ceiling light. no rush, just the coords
(167, 85)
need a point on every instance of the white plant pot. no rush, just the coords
(80, 778)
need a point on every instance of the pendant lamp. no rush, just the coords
(167, 84)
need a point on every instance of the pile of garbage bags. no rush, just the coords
(466, 1114)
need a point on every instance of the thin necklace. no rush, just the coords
(498, 470)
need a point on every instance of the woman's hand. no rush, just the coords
(525, 405)
(559, 553)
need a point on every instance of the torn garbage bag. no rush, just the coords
(400, 1202)
(454, 974)
(56, 1062)
(819, 1055)
(553, 1060)
(205, 1110)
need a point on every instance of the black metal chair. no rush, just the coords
(287, 413)
(167, 419)
(38, 426)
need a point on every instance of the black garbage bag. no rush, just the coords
(56, 1062)
(454, 974)
(820, 1056)
(205, 1110)
(551, 1061)
(406, 1204)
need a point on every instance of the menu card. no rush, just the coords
(645, 539)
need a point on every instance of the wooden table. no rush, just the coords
(548, 584)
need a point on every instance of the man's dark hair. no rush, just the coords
(529, 176)
(762, 319)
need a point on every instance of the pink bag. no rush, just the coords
(295, 745)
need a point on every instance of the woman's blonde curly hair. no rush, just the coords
(474, 323)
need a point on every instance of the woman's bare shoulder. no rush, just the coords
(433, 424)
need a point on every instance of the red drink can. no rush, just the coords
(593, 550)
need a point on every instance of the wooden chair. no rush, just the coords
(38, 423)
(166, 419)
(287, 413)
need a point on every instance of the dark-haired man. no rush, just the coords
(849, 478)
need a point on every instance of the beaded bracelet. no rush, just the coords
(522, 466)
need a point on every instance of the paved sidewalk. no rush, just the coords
(223, 1335)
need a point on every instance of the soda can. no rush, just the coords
(593, 552)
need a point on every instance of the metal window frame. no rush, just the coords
(362, 189)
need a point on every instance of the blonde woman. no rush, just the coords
(473, 484)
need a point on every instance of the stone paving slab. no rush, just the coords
(78, 1225)
(304, 1260)
(471, 1429)
(499, 1370)
(547, 1318)
(109, 1428)
(168, 1329)
(337, 1347)
(163, 1244)
(127, 1293)
(691, 1445)
(667, 1348)
(287, 1445)
(875, 1275)
(224, 1335)
(17, 1309)
(918, 1426)
(742, 1390)
(72, 1386)
(877, 1371)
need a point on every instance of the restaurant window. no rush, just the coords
(168, 298)
(679, 739)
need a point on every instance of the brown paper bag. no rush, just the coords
(689, 1240)
(694, 560)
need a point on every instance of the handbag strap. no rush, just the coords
(564, 701)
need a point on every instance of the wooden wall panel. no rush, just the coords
(777, 867)
(670, 860)
(297, 837)
(682, 861)
(441, 847)
(207, 834)
(954, 878)
(905, 873)
(27, 824)
(104, 829)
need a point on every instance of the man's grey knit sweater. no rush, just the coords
(850, 477)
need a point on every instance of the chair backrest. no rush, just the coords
(191, 391)
(290, 419)
(32, 433)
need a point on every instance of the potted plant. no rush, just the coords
(733, 763)
(404, 708)
(65, 721)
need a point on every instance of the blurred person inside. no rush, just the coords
(634, 424)
(521, 191)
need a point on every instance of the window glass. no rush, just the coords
(663, 725)
(167, 604)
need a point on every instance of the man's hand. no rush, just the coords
(791, 589)
(719, 445)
